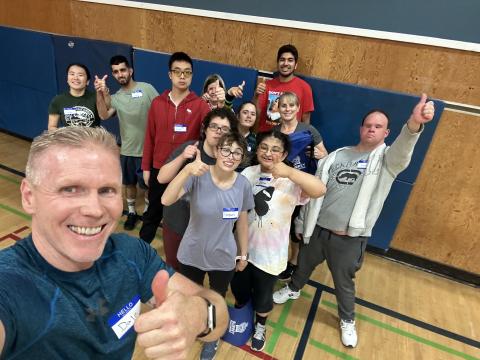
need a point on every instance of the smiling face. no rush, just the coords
(77, 78)
(212, 90)
(247, 116)
(122, 73)
(374, 130)
(270, 152)
(288, 108)
(229, 156)
(286, 64)
(213, 135)
(75, 204)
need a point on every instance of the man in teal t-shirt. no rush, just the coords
(131, 103)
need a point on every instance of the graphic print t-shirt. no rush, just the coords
(345, 178)
(269, 221)
(75, 111)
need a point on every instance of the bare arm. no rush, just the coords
(53, 120)
(241, 232)
(319, 152)
(306, 117)
(174, 190)
(169, 170)
(311, 185)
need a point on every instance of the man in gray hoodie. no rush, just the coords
(336, 227)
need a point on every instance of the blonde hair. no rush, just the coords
(289, 96)
(70, 137)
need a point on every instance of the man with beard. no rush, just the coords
(131, 103)
(267, 93)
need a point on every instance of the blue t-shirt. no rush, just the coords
(51, 314)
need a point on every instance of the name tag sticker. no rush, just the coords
(362, 164)
(122, 321)
(137, 94)
(69, 111)
(180, 128)
(230, 213)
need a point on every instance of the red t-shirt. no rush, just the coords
(270, 116)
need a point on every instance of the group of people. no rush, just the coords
(229, 200)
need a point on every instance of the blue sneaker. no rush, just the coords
(209, 350)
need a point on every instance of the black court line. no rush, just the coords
(397, 315)
(302, 345)
(13, 171)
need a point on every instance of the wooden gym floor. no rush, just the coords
(402, 312)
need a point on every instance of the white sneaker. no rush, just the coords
(349, 333)
(281, 296)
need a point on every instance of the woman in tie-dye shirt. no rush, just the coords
(277, 189)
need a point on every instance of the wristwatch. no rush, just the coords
(241, 257)
(211, 319)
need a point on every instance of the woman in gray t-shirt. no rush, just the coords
(219, 197)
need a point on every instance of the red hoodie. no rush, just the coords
(169, 126)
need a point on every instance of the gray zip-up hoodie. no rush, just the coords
(384, 164)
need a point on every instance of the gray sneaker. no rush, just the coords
(209, 350)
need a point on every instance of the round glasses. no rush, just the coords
(226, 152)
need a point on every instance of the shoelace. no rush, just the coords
(348, 327)
(259, 331)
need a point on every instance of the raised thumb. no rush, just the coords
(160, 287)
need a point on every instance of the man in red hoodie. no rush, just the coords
(174, 118)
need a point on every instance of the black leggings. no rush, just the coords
(219, 280)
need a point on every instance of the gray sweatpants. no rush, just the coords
(344, 255)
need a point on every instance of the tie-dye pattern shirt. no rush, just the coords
(269, 221)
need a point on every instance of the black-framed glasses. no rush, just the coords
(215, 127)
(178, 72)
(274, 149)
(226, 152)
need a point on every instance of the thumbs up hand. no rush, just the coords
(169, 330)
(190, 151)
(237, 91)
(422, 113)
(198, 167)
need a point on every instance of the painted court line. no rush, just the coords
(405, 318)
(404, 333)
(13, 171)
(330, 350)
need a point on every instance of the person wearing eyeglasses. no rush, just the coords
(277, 189)
(174, 118)
(219, 198)
(176, 216)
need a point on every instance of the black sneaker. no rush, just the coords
(286, 274)
(258, 339)
(131, 221)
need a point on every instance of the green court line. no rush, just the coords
(407, 334)
(279, 328)
(10, 179)
(15, 212)
(331, 350)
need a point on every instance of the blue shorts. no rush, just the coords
(132, 173)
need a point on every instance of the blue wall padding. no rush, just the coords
(152, 67)
(27, 80)
(339, 110)
(34, 71)
(95, 54)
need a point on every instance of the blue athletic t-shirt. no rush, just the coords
(51, 314)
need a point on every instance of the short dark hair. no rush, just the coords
(222, 113)
(234, 137)
(179, 56)
(84, 67)
(118, 59)
(377, 111)
(289, 48)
